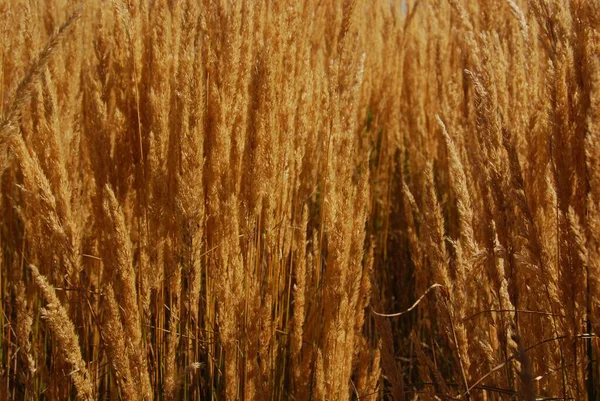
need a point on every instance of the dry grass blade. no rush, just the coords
(23, 92)
(64, 332)
(444, 289)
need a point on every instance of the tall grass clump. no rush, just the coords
(310, 200)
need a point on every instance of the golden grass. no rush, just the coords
(312, 200)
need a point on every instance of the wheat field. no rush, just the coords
(299, 200)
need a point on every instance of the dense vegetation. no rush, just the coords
(222, 200)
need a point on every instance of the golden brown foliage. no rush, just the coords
(218, 195)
